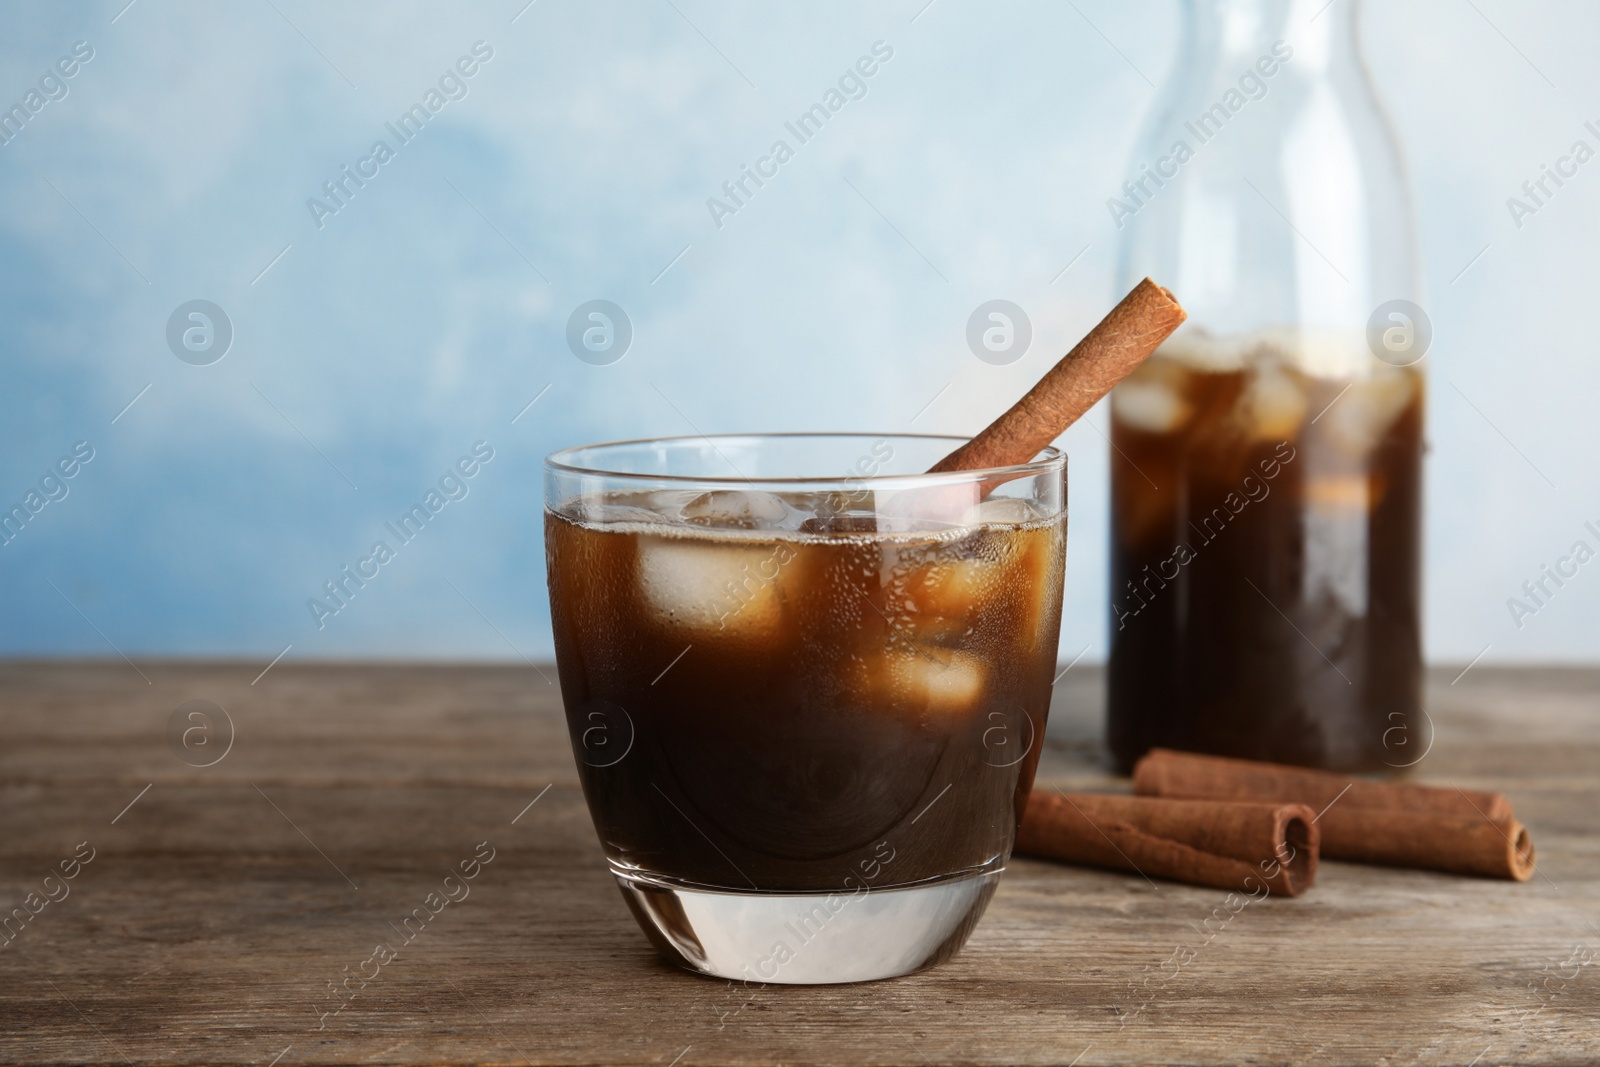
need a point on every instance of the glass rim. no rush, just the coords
(1049, 458)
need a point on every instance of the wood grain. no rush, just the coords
(220, 906)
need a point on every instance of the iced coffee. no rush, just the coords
(792, 693)
(1265, 552)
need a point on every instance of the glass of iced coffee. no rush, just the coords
(806, 687)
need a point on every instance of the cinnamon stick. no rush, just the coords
(1109, 353)
(1396, 824)
(1247, 847)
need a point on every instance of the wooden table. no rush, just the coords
(223, 903)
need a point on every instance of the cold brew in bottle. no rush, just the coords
(1266, 476)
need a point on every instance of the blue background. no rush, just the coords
(428, 312)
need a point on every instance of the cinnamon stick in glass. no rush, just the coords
(1396, 824)
(1106, 355)
(1251, 848)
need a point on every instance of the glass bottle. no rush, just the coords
(1266, 476)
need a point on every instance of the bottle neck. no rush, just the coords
(1281, 195)
(1226, 33)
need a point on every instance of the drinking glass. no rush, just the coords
(806, 686)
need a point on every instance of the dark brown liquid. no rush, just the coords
(789, 712)
(1266, 570)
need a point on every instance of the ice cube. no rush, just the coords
(602, 513)
(1196, 347)
(925, 508)
(1033, 571)
(1002, 511)
(714, 587)
(1150, 406)
(669, 503)
(921, 679)
(1313, 351)
(1358, 420)
(1273, 405)
(737, 509)
(936, 599)
(950, 587)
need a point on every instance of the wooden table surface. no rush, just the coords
(222, 905)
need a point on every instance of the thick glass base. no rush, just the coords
(810, 938)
